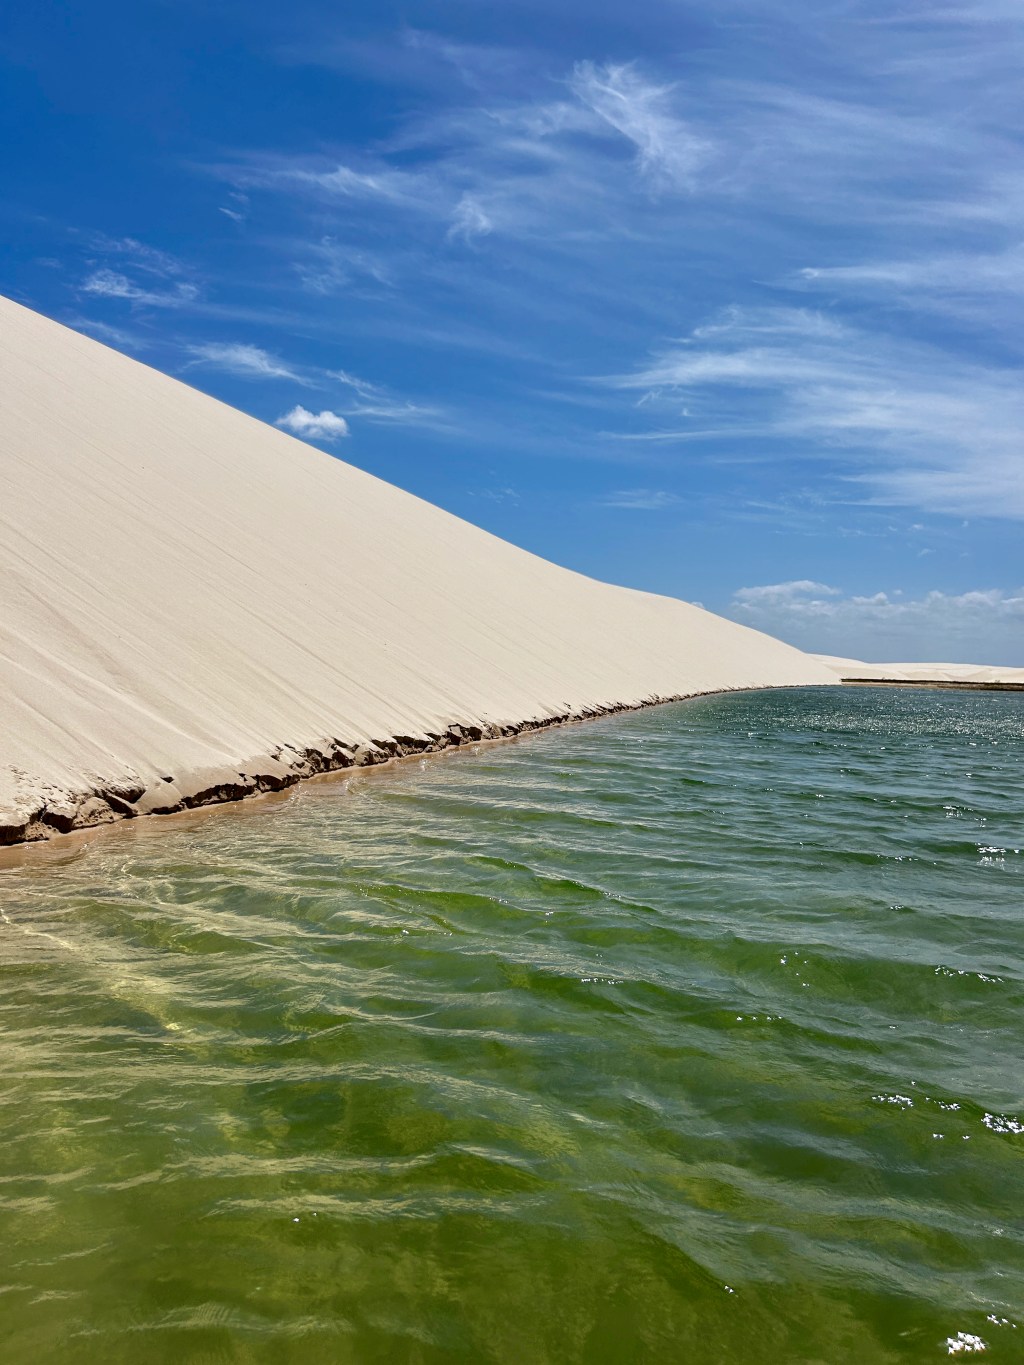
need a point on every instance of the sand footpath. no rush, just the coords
(195, 606)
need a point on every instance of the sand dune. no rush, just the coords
(856, 670)
(196, 606)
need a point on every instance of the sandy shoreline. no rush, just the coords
(274, 774)
(196, 607)
(58, 844)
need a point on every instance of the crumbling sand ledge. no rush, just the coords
(275, 772)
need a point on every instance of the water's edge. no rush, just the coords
(69, 813)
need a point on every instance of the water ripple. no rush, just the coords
(694, 1033)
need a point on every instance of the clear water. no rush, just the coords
(691, 1035)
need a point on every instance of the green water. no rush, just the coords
(691, 1035)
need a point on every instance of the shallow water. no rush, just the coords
(690, 1035)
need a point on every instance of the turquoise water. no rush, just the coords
(689, 1035)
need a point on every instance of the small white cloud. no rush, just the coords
(640, 499)
(314, 426)
(470, 220)
(799, 594)
(250, 362)
(110, 284)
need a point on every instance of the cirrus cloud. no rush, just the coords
(640, 499)
(111, 284)
(249, 362)
(668, 151)
(900, 419)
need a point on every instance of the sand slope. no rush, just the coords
(194, 605)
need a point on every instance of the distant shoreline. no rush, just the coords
(922, 682)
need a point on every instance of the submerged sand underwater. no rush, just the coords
(692, 1034)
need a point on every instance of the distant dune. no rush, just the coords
(195, 606)
(970, 675)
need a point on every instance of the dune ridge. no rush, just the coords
(197, 606)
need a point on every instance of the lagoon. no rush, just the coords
(689, 1034)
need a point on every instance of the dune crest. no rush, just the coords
(196, 606)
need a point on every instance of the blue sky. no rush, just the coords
(712, 300)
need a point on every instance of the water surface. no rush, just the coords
(690, 1035)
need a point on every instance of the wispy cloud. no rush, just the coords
(977, 288)
(508, 165)
(416, 58)
(328, 266)
(110, 284)
(479, 65)
(372, 402)
(118, 337)
(375, 403)
(363, 387)
(140, 255)
(907, 422)
(668, 150)
(238, 209)
(470, 219)
(249, 362)
(958, 273)
(165, 280)
(314, 426)
(400, 413)
(410, 189)
(504, 495)
(640, 499)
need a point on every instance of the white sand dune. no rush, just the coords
(856, 670)
(195, 606)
